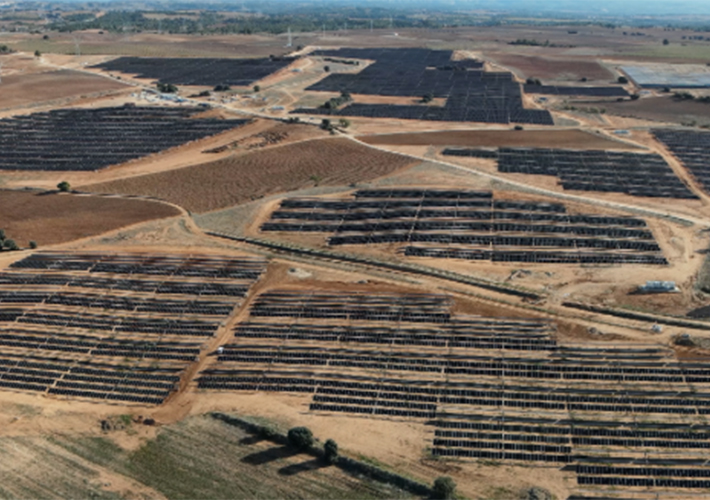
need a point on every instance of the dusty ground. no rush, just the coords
(663, 109)
(570, 138)
(242, 178)
(26, 89)
(552, 70)
(49, 219)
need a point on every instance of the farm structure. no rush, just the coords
(473, 225)
(491, 388)
(92, 139)
(575, 91)
(692, 149)
(472, 94)
(127, 339)
(604, 171)
(198, 71)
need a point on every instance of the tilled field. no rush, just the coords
(554, 69)
(50, 218)
(23, 90)
(241, 178)
(576, 139)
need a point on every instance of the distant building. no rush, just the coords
(658, 287)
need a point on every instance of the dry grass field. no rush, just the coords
(49, 219)
(245, 177)
(23, 90)
(660, 109)
(552, 69)
(572, 138)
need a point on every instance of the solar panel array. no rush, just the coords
(91, 139)
(471, 94)
(72, 325)
(492, 388)
(692, 148)
(604, 171)
(469, 225)
(576, 91)
(198, 71)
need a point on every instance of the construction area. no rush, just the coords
(408, 244)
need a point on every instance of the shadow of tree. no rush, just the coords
(293, 469)
(266, 456)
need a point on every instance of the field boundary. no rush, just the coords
(346, 464)
(409, 268)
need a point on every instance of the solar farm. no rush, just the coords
(472, 225)
(476, 383)
(428, 246)
(91, 139)
(113, 327)
(604, 171)
(198, 71)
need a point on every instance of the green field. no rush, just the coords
(199, 457)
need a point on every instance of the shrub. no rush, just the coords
(665, 42)
(622, 79)
(38, 53)
(300, 437)
(325, 124)
(331, 451)
(10, 245)
(33, 245)
(444, 488)
(344, 122)
(167, 88)
(635, 97)
(326, 69)
(64, 187)
(2, 234)
(519, 127)
(222, 88)
(428, 98)
(257, 88)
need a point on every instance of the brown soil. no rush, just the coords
(245, 177)
(661, 109)
(23, 89)
(553, 69)
(52, 218)
(572, 138)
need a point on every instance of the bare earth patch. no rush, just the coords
(574, 139)
(241, 178)
(51, 218)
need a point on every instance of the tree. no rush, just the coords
(257, 88)
(38, 53)
(622, 79)
(665, 42)
(325, 124)
(428, 98)
(2, 234)
(222, 87)
(33, 245)
(167, 88)
(344, 123)
(326, 69)
(346, 95)
(300, 437)
(64, 187)
(10, 245)
(331, 451)
(444, 488)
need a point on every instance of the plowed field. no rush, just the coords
(241, 178)
(50, 218)
(574, 139)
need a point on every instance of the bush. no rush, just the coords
(167, 88)
(33, 245)
(10, 245)
(257, 88)
(300, 437)
(444, 488)
(427, 98)
(222, 88)
(634, 97)
(2, 234)
(64, 187)
(665, 42)
(326, 69)
(519, 127)
(344, 123)
(331, 451)
(325, 124)
(38, 53)
(622, 79)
